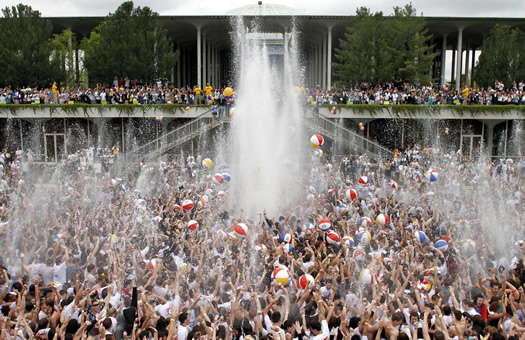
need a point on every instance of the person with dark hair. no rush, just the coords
(182, 328)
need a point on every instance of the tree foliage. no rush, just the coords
(25, 48)
(64, 47)
(379, 48)
(129, 42)
(502, 57)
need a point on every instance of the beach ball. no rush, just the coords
(152, 264)
(519, 243)
(310, 197)
(363, 180)
(207, 163)
(420, 236)
(288, 238)
(305, 281)
(426, 286)
(241, 229)
(228, 92)
(204, 200)
(434, 270)
(363, 237)
(362, 127)
(468, 246)
(312, 189)
(187, 108)
(318, 153)
(368, 277)
(232, 236)
(261, 247)
(113, 182)
(351, 194)
(281, 275)
(325, 225)
(287, 249)
(309, 228)
(217, 179)
(223, 167)
(359, 255)
(58, 237)
(441, 245)
(392, 183)
(348, 240)
(332, 237)
(226, 177)
(177, 207)
(192, 225)
(184, 267)
(209, 192)
(365, 222)
(222, 234)
(221, 194)
(187, 205)
(382, 219)
(316, 141)
(156, 220)
(342, 209)
(431, 175)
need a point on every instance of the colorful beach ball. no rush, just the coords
(223, 167)
(261, 247)
(113, 182)
(305, 281)
(287, 249)
(441, 245)
(310, 197)
(221, 194)
(348, 240)
(312, 189)
(365, 222)
(187, 205)
(192, 225)
(364, 237)
(332, 237)
(217, 179)
(363, 180)
(207, 163)
(281, 275)
(325, 225)
(392, 184)
(241, 229)
(368, 277)
(468, 246)
(156, 220)
(351, 194)
(426, 286)
(309, 228)
(382, 219)
(431, 175)
(359, 255)
(226, 177)
(316, 141)
(342, 209)
(420, 236)
(287, 238)
(177, 207)
(318, 153)
(434, 271)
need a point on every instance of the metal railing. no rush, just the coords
(176, 137)
(351, 139)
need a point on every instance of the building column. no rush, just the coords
(458, 58)
(204, 61)
(199, 55)
(329, 60)
(453, 69)
(178, 66)
(323, 62)
(472, 63)
(443, 58)
(467, 68)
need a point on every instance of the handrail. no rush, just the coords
(356, 141)
(170, 137)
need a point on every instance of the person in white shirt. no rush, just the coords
(182, 329)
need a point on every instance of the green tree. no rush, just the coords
(502, 57)
(378, 48)
(25, 48)
(64, 47)
(129, 42)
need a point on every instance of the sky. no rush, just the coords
(464, 8)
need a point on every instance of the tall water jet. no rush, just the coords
(268, 143)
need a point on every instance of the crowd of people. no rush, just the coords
(126, 91)
(100, 255)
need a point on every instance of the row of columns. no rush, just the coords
(458, 64)
(320, 62)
